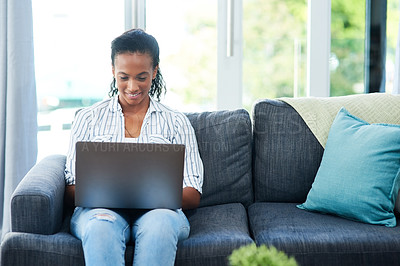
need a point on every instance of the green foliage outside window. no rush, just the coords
(347, 47)
(273, 32)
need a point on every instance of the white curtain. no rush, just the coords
(18, 107)
(396, 83)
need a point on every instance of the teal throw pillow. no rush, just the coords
(359, 175)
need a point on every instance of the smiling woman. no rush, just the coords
(136, 76)
(132, 115)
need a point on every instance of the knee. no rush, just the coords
(99, 222)
(161, 218)
(160, 222)
(102, 225)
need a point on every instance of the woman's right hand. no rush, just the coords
(69, 196)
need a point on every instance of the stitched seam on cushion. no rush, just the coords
(223, 123)
(203, 257)
(341, 252)
(197, 257)
(46, 252)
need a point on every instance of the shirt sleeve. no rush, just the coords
(193, 166)
(79, 132)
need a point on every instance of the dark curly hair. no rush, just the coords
(138, 41)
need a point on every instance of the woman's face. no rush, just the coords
(134, 74)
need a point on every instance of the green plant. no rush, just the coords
(251, 255)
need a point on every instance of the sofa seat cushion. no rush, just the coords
(215, 231)
(322, 239)
(37, 250)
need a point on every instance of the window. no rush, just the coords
(188, 50)
(347, 47)
(269, 40)
(274, 50)
(72, 62)
(392, 29)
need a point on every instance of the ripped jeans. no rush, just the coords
(104, 234)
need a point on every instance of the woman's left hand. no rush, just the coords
(190, 198)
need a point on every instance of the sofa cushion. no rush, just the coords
(224, 139)
(321, 239)
(37, 250)
(359, 173)
(37, 202)
(215, 231)
(286, 153)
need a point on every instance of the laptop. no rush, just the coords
(129, 175)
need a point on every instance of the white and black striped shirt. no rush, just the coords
(105, 122)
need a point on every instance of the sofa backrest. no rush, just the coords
(225, 146)
(286, 153)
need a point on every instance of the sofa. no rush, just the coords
(256, 171)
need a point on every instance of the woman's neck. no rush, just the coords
(139, 109)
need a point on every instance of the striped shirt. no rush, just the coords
(104, 122)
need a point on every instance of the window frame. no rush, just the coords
(375, 46)
(230, 81)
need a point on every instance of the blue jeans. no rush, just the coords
(104, 234)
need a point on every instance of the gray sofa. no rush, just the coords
(256, 171)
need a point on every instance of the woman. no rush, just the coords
(132, 115)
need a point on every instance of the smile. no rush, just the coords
(133, 95)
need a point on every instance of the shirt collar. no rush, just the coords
(114, 105)
(154, 106)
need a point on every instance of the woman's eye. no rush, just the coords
(141, 79)
(123, 78)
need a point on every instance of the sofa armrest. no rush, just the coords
(37, 202)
